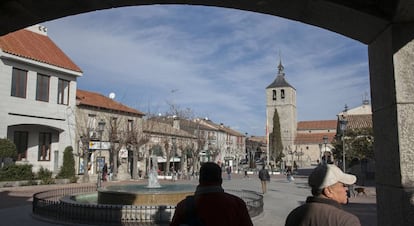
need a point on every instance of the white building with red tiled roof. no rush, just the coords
(104, 127)
(313, 142)
(38, 97)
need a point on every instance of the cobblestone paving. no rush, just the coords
(281, 198)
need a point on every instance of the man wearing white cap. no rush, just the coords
(329, 190)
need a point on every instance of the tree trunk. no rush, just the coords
(115, 163)
(134, 164)
(85, 167)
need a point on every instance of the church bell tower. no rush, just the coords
(281, 95)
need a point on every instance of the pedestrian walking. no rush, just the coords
(104, 172)
(245, 174)
(210, 205)
(289, 174)
(228, 169)
(329, 191)
(264, 177)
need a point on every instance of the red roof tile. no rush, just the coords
(313, 138)
(41, 48)
(359, 121)
(315, 125)
(100, 101)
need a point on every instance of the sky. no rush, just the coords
(215, 61)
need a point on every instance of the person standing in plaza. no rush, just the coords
(245, 173)
(210, 205)
(228, 169)
(329, 192)
(104, 172)
(264, 177)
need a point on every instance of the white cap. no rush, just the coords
(326, 175)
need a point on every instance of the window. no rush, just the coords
(19, 83)
(130, 125)
(282, 94)
(63, 92)
(42, 88)
(114, 128)
(45, 141)
(114, 123)
(274, 94)
(91, 126)
(21, 140)
(91, 122)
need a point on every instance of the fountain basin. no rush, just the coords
(141, 195)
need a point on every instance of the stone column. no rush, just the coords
(391, 61)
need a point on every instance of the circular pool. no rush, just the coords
(141, 195)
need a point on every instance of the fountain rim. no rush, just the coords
(156, 190)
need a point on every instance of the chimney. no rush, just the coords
(176, 122)
(38, 29)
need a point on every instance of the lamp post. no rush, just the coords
(173, 164)
(342, 127)
(208, 151)
(247, 150)
(320, 151)
(101, 128)
(325, 141)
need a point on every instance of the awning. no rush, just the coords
(162, 159)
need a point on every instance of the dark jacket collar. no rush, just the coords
(312, 199)
(208, 189)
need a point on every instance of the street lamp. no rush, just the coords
(208, 151)
(247, 150)
(325, 141)
(342, 124)
(101, 128)
(320, 151)
(173, 165)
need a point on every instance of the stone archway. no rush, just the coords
(386, 26)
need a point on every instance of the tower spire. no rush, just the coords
(280, 67)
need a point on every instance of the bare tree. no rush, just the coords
(125, 133)
(168, 151)
(176, 110)
(87, 131)
(195, 150)
(135, 139)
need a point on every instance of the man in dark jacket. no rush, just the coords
(264, 178)
(329, 190)
(210, 205)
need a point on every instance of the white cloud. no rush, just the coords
(219, 60)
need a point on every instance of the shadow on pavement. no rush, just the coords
(8, 200)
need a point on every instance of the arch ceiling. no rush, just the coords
(361, 20)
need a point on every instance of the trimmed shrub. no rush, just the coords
(45, 176)
(16, 172)
(7, 150)
(67, 171)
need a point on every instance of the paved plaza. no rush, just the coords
(282, 197)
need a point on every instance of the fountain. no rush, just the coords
(152, 194)
(153, 175)
(151, 204)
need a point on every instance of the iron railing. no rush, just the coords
(48, 205)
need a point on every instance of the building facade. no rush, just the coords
(313, 142)
(38, 91)
(105, 130)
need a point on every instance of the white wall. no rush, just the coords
(37, 116)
